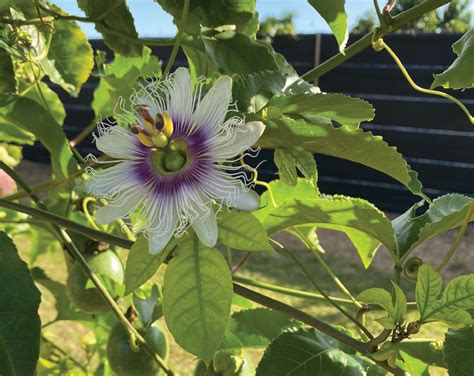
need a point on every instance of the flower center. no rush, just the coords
(172, 159)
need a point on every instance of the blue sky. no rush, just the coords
(151, 21)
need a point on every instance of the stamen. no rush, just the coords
(160, 122)
(167, 125)
(144, 112)
(145, 140)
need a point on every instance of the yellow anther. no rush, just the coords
(145, 140)
(168, 124)
(151, 128)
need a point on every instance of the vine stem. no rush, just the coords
(363, 348)
(366, 41)
(326, 296)
(380, 45)
(178, 38)
(457, 240)
(327, 269)
(76, 253)
(108, 10)
(240, 290)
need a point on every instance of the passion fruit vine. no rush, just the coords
(86, 298)
(126, 361)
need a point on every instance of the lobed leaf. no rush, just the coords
(20, 325)
(8, 82)
(197, 298)
(460, 75)
(446, 212)
(30, 116)
(338, 107)
(235, 53)
(335, 15)
(119, 20)
(211, 13)
(288, 161)
(458, 296)
(342, 142)
(70, 56)
(335, 213)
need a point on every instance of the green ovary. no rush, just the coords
(170, 160)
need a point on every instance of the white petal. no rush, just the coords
(231, 192)
(205, 226)
(118, 143)
(246, 200)
(181, 95)
(162, 219)
(120, 207)
(239, 139)
(212, 109)
(108, 182)
(158, 242)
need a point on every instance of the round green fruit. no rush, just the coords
(126, 362)
(226, 364)
(88, 298)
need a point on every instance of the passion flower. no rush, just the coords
(175, 160)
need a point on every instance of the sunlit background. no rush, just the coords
(152, 21)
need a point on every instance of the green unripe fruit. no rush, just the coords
(226, 364)
(89, 299)
(125, 361)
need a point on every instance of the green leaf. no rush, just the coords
(427, 350)
(335, 15)
(451, 308)
(283, 193)
(118, 20)
(121, 80)
(306, 352)
(459, 351)
(239, 230)
(255, 328)
(414, 366)
(142, 265)
(396, 310)
(460, 74)
(197, 298)
(342, 142)
(253, 91)
(338, 107)
(211, 13)
(289, 160)
(70, 55)
(149, 308)
(199, 63)
(30, 116)
(7, 73)
(20, 325)
(446, 212)
(11, 133)
(335, 213)
(48, 99)
(232, 53)
(10, 154)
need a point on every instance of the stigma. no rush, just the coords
(155, 131)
